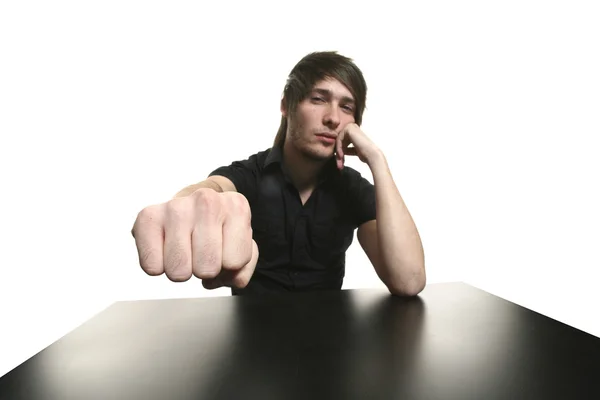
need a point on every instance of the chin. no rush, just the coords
(314, 151)
(317, 154)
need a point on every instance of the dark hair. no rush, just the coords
(313, 68)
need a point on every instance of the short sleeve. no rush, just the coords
(361, 198)
(243, 174)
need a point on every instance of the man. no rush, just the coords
(283, 218)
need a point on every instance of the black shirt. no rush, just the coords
(301, 247)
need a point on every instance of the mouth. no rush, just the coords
(327, 135)
(326, 138)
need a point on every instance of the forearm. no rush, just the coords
(192, 188)
(401, 251)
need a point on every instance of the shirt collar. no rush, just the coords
(275, 156)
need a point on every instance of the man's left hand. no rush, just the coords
(362, 146)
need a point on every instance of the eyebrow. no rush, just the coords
(326, 92)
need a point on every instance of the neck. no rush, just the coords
(302, 171)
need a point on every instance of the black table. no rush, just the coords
(452, 342)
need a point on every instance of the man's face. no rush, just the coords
(319, 118)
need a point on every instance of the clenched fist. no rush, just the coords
(206, 234)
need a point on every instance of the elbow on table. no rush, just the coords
(408, 289)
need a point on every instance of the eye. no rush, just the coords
(317, 99)
(348, 108)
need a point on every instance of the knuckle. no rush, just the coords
(147, 214)
(206, 201)
(238, 204)
(204, 196)
(176, 208)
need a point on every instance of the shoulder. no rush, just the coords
(354, 187)
(243, 174)
(358, 194)
(254, 161)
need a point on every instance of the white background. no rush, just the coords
(488, 112)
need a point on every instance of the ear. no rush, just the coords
(283, 107)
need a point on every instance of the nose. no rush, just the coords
(332, 117)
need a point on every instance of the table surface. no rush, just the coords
(454, 341)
